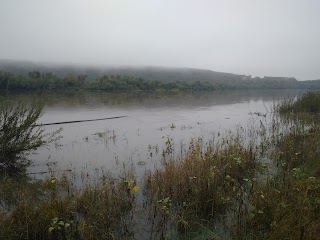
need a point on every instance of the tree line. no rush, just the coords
(36, 80)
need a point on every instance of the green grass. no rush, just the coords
(308, 102)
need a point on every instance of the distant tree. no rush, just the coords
(81, 79)
(70, 79)
(34, 74)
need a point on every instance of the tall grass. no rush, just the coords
(203, 183)
(62, 211)
(308, 102)
(258, 183)
(236, 193)
(287, 204)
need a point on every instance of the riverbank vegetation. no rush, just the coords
(306, 103)
(19, 133)
(260, 182)
(48, 81)
(55, 208)
(244, 188)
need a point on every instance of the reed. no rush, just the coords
(308, 102)
(203, 184)
(243, 188)
(62, 211)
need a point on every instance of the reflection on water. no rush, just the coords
(138, 139)
(160, 100)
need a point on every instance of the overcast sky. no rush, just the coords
(257, 37)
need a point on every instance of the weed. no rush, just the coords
(62, 211)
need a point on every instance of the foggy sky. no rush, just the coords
(257, 37)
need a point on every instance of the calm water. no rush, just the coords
(139, 138)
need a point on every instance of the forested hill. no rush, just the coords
(150, 73)
(151, 77)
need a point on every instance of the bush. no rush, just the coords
(19, 133)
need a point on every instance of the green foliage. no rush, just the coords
(160, 81)
(37, 81)
(125, 83)
(309, 102)
(60, 229)
(19, 133)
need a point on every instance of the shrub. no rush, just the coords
(19, 133)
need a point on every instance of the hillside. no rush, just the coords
(150, 72)
(215, 80)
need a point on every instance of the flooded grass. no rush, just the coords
(308, 102)
(229, 188)
(203, 184)
(56, 209)
(260, 182)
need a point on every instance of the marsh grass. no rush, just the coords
(56, 209)
(259, 182)
(287, 205)
(203, 184)
(230, 188)
(308, 102)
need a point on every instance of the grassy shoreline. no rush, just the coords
(259, 183)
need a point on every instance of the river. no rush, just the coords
(153, 120)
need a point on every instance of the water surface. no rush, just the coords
(152, 119)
